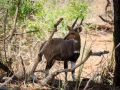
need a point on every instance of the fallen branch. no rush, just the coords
(6, 69)
(106, 26)
(50, 76)
(2, 84)
(99, 53)
(107, 21)
(92, 54)
(85, 88)
(10, 78)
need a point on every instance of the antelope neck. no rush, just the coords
(76, 45)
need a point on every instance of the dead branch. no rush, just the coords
(13, 76)
(107, 21)
(43, 71)
(10, 78)
(13, 30)
(6, 69)
(99, 53)
(2, 75)
(105, 27)
(15, 21)
(85, 88)
(2, 84)
(107, 5)
(18, 34)
(24, 70)
(25, 32)
(50, 76)
(54, 30)
(46, 44)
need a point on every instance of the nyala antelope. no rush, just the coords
(64, 49)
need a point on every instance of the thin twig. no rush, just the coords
(117, 46)
(24, 70)
(25, 32)
(13, 76)
(85, 88)
(2, 84)
(15, 21)
(13, 30)
(5, 21)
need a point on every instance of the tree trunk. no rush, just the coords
(116, 42)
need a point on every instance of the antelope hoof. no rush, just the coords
(33, 77)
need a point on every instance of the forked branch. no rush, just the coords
(50, 76)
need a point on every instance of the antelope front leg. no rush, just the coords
(33, 69)
(73, 72)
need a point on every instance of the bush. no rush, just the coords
(43, 14)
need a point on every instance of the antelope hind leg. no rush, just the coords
(65, 67)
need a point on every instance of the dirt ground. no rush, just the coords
(95, 41)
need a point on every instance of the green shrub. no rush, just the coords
(46, 13)
(26, 8)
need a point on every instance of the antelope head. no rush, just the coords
(74, 32)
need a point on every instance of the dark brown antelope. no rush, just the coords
(64, 49)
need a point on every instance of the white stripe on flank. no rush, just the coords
(76, 51)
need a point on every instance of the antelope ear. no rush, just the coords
(79, 29)
(69, 28)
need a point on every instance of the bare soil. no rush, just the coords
(95, 41)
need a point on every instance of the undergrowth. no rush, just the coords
(41, 15)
